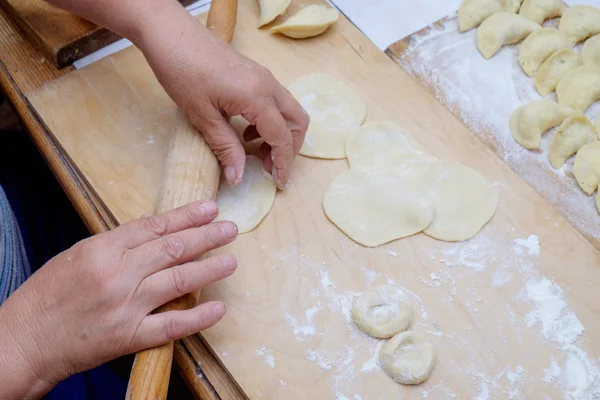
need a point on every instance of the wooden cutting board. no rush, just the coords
(60, 35)
(493, 306)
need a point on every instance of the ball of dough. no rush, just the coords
(382, 312)
(407, 357)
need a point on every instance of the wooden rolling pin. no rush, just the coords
(191, 173)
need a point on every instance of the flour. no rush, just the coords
(532, 244)
(373, 363)
(268, 357)
(551, 372)
(300, 331)
(471, 254)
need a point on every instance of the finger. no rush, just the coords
(250, 133)
(150, 227)
(181, 247)
(264, 152)
(172, 283)
(296, 117)
(161, 328)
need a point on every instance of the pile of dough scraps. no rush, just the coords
(309, 21)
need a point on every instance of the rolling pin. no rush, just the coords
(191, 173)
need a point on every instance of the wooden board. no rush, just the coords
(61, 36)
(287, 333)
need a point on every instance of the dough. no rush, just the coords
(380, 144)
(572, 134)
(580, 22)
(540, 45)
(309, 21)
(586, 167)
(378, 206)
(336, 110)
(540, 10)
(249, 202)
(382, 312)
(271, 9)
(501, 29)
(591, 51)
(554, 69)
(598, 201)
(464, 200)
(579, 88)
(472, 12)
(407, 357)
(530, 121)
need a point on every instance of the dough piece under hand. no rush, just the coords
(472, 12)
(586, 167)
(531, 120)
(540, 10)
(580, 22)
(336, 110)
(591, 51)
(308, 22)
(574, 133)
(248, 203)
(502, 29)
(407, 357)
(579, 88)
(376, 207)
(540, 45)
(382, 312)
(554, 69)
(380, 144)
(271, 9)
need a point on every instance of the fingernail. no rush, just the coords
(208, 208)
(229, 230)
(276, 173)
(218, 310)
(229, 263)
(230, 175)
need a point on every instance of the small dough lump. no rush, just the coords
(407, 357)
(309, 21)
(382, 312)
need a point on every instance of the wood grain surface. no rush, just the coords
(287, 332)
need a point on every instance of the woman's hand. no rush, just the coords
(93, 302)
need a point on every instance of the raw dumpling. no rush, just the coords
(407, 357)
(472, 12)
(309, 21)
(540, 45)
(271, 9)
(586, 167)
(540, 10)
(554, 69)
(380, 144)
(378, 206)
(382, 312)
(580, 22)
(336, 111)
(579, 88)
(591, 51)
(574, 133)
(249, 202)
(530, 121)
(501, 29)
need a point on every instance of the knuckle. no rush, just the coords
(156, 224)
(173, 247)
(213, 235)
(172, 329)
(179, 282)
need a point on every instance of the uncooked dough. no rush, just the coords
(248, 203)
(380, 144)
(382, 312)
(591, 51)
(574, 133)
(580, 22)
(472, 12)
(540, 10)
(271, 9)
(529, 121)
(502, 29)
(579, 88)
(408, 358)
(554, 69)
(335, 109)
(586, 167)
(540, 45)
(309, 21)
(378, 206)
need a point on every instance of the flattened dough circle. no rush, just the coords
(407, 357)
(382, 312)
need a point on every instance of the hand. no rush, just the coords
(92, 303)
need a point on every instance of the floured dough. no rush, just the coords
(540, 10)
(376, 207)
(579, 88)
(309, 21)
(382, 312)
(249, 202)
(591, 51)
(271, 9)
(380, 144)
(586, 167)
(472, 12)
(540, 45)
(573, 133)
(529, 121)
(335, 109)
(554, 69)
(408, 358)
(502, 29)
(579, 22)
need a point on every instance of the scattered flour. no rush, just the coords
(532, 245)
(373, 363)
(552, 372)
(300, 331)
(264, 352)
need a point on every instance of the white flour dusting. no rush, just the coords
(552, 372)
(373, 363)
(268, 357)
(300, 331)
(532, 244)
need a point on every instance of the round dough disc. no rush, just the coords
(375, 207)
(249, 202)
(380, 144)
(335, 109)
(407, 357)
(382, 312)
